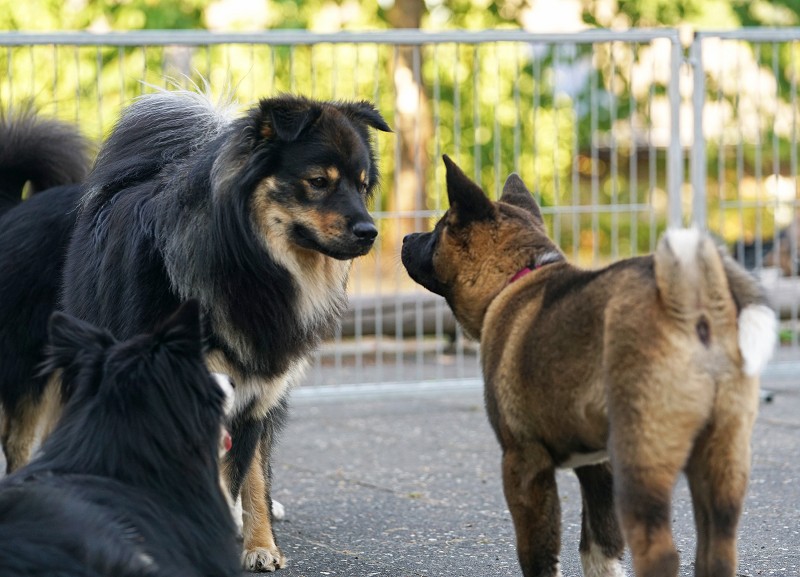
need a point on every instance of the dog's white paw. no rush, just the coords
(261, 559)
(278, 510)
(596, 564)
(758, 332)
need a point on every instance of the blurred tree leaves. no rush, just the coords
(569, 118)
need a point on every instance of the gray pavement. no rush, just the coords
(405, 481)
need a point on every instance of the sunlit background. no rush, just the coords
(602, 129)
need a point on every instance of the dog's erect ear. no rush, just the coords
(182, 329)
(69, 338)
(287, 117)
(363, 111)
(467, 200)
(515, 192)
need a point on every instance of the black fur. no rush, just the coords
(127, 484)
(43, 152)
(34, 235)
(576, 281)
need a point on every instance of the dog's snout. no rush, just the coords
(365, 230)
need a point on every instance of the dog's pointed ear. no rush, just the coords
(516, 193)
(467, 199)
(182, 329)
(286, 117)
(364, 111)
(70, 338)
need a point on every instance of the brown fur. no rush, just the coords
(639, 361)
(19, 433)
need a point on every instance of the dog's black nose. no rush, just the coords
(365, 230)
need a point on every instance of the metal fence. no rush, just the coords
(598, 124)
(744, 155)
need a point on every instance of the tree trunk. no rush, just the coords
(413, 127)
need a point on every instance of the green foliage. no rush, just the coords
(564, 116)
(660, 12)
(43, 15)
(767, 12)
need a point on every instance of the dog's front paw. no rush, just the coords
(261, 559)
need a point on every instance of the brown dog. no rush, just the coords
(634, 372)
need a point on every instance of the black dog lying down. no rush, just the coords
(128, 482)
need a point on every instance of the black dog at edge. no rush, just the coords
(128, 482)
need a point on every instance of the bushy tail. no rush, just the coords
(44, 152)
(158, 129)
(702, 288)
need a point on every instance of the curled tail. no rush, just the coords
(44, 152)
(703, 288)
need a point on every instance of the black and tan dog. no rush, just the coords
(629, 375)
(257, 216)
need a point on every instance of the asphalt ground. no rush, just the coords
(404, 481)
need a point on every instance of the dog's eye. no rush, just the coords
(362, 188)
(319, 182)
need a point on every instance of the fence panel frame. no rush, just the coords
(674, 150)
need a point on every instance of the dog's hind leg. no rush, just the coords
(718, 471)
(648, 454)
(602, 545)
(651, 437)
(529, 483)
(643, 496)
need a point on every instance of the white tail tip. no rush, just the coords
(758, 330)
(684, 243)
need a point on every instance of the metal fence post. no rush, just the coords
(698, 159)
(675, 152)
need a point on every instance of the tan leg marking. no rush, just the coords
(261, 553)
(19, 434)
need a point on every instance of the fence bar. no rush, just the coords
(754, 34)
(675, 152)
(302, 37)
(698, 158)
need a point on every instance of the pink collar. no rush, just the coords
(520, 274)
(542, 260)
